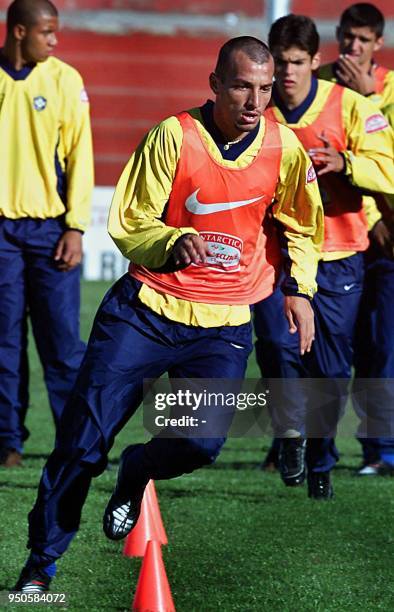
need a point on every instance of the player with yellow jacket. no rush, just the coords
(360, 36)
(350, 144)
(46, 170)
(193, 212)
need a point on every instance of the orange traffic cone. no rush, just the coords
(147, 528)
(153, 591)
(153, 503)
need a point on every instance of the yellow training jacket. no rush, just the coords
(143, 191)
(46, 159)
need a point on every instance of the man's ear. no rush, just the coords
(378, 43)
(19, 32)
(316, 59)
(214, 83)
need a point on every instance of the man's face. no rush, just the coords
(242, 95)
(38, 41)
(359, 43)
(293, 70)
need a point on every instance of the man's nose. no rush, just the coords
(288, 69)
(355, 44)
(254, 98)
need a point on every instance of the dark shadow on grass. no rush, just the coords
(251, 449)
(254, 498)
(17, 485)
(235, 465)
(36, 456)
(343, 467)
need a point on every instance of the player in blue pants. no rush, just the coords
(360, 36)
(351, 146)
(46, 169)
(189, 212)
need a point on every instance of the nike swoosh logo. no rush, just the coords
(348, 287)
(197, 208)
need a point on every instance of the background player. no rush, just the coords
(351, 147)
(360, 36)
(45, 189)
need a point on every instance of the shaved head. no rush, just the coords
(255, 49)
(28, 12)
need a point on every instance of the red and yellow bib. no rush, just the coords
(345, 223)
(227, 206)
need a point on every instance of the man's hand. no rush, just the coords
(328, 157)
(353, 76)
(382, 236)
(299, 314)
(188, 249)
(68, 252)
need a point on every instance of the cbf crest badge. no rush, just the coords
(39, 103)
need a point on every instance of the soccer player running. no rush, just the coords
(351, 148)
(46, 169)
(200, 182)
(360, 35)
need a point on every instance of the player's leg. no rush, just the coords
(374, 359)
(335, 305)
(279, 359)
(217, 354)
(54, 304)
(12, 340)
(124, 347)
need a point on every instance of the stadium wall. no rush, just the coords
(143, 60)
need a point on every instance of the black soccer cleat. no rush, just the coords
(120, 517)
(33, 580)
(292, 461)
(319, 486)
(124, 507)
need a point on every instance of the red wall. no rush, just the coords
(323, 9)
(133, 82)
(329, 9)
(202, 7)
(136, 80)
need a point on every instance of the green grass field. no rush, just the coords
(238, 539)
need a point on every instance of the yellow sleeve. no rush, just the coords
(388, 112)
(135, 219)
(299, 209)
(387, 96)
(76, 146)
(371, 211)
(370, 144)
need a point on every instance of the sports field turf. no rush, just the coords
(238, 539)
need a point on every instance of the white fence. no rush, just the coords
(101, 259)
